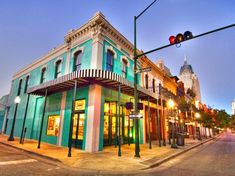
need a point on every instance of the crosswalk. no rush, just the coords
(3, 163)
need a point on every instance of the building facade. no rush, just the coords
(79, 90)
(4, 108)
(190, 80)
(233, 107)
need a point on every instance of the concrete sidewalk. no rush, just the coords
(106, 160)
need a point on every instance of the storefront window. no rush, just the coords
(81, 126)
(113, 107)
(110, 124)
(110, 108)
(106, 108)
(53, 125)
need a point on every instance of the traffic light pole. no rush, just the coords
(137, 146)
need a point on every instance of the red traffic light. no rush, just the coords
(172, 39)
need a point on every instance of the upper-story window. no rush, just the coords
(146, 81)
(58, 69)
(19, 88)
(109, 61)
(26, 84)
(153, 85)
(77, 61)
(124, 68)
(43, 75)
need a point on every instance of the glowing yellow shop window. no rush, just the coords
(80, 105)
(53, 125)
(113, 108)
(81, 126)
(106, 107)
(126, 122)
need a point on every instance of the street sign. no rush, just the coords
(133, 116)
(147, 69)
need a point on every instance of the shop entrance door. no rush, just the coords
(78, 130)
(109, 130)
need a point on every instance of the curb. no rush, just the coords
(178, 153)
(32, 153)
(159, 162)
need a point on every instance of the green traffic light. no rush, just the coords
(188, 35)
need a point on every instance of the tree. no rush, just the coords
(232, 122)
(222, 119)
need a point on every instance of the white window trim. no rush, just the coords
(77, 49)
(44, 66)
(28, 75)
(59, 59)
(111, 49)
(126, 59)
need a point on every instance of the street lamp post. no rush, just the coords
(137, 147)
(17, 101)
(171, 105)
(197, 115)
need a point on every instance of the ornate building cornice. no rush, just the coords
(99, 25)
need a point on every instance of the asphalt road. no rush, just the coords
(216, 158)
(14, 162)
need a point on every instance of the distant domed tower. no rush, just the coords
(190, 80)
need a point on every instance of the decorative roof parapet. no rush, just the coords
(98, 24)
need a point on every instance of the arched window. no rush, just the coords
(19, 87)
(153, 85)
(109, 61)
(43, 75)
(26, 84)
(77, 61)
(58, 69)
(146, 81)
(124, 68)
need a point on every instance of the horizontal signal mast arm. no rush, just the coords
(200, 35)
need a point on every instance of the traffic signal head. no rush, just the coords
(172, 39)
(188, 35)
(180, 37)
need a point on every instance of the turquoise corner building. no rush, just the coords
(100, 59)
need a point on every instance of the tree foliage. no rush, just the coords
(232, 122)
(222, 119)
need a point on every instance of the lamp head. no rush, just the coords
(171, 103)
(197, 115)
(17, 100)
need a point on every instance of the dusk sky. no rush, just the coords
(29, 29)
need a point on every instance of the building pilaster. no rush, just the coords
(93, 118)
(97, 48)
(62, 110)
(68, 57)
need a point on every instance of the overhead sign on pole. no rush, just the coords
(147, 69)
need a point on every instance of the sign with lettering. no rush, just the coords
(79, 105)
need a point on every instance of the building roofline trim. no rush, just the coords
(41, 60)
(99, 24)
